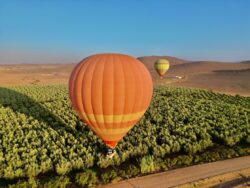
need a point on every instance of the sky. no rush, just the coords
(64, 31)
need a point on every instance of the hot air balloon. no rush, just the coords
(161, 66)
(110, 93)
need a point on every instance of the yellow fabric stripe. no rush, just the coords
(163, 66)
(100, 118)
(112, 134)
(115, 131)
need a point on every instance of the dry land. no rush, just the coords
(230, 78)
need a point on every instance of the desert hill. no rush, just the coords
(219, 76)
(150, 60)
(223, 77)
(182, 67)
(205, 67)
(245, 62)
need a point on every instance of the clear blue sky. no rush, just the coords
(55, 31)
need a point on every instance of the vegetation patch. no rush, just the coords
(43, 142)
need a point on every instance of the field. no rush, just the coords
(223, 77)
(44, 143)
(33, 74)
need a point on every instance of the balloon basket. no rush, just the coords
(110, 154)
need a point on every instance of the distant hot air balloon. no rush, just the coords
(161, 66)
(110, 93)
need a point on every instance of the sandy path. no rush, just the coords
(184, 175)
(236, 179)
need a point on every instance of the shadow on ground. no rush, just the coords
(21, 103)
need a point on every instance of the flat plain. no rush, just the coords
(225, 77)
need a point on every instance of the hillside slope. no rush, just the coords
(205, 67)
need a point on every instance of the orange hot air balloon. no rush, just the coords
(110, 93)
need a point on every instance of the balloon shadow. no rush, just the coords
(21, 103)
(24, 104)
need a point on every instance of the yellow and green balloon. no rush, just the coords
(161, 66)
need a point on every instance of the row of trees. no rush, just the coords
(144, 165)
(40, 133)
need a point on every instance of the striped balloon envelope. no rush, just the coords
(110, 93)
(161, 66)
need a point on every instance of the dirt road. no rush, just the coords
(184, 175)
